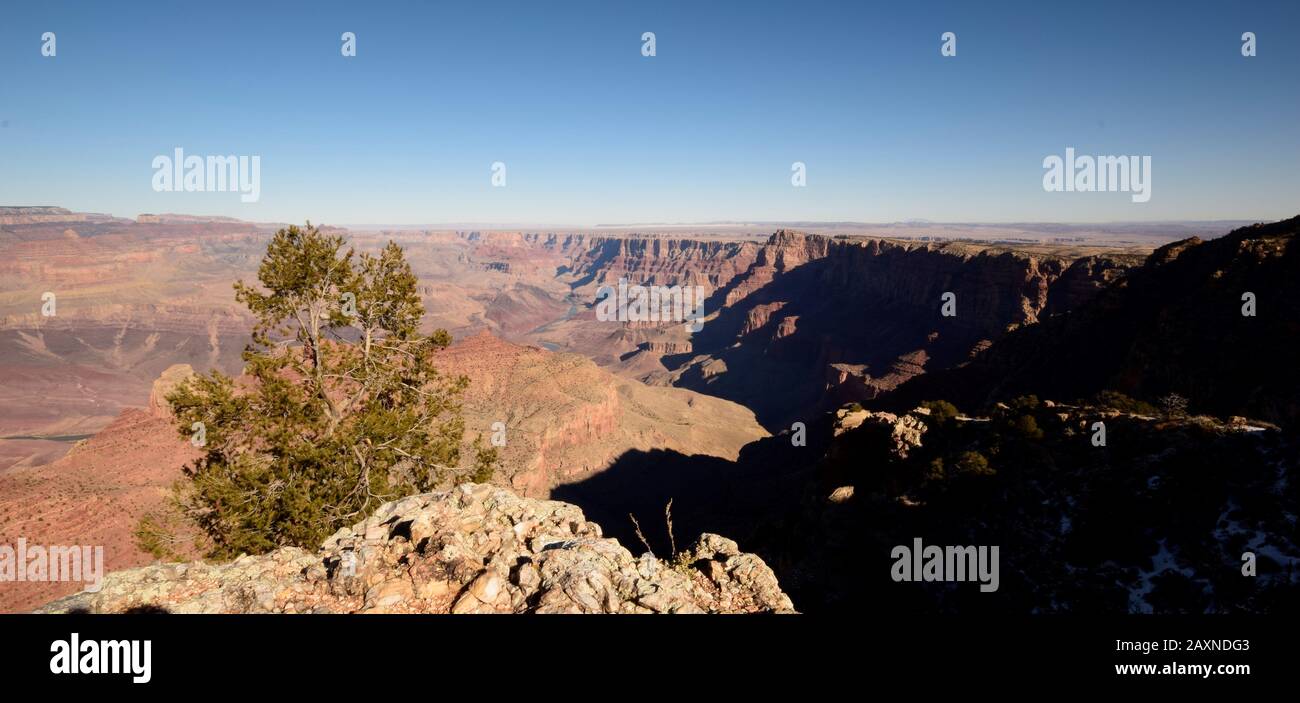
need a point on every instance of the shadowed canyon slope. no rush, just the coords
(1177, 324)
(1102, 503)
(835, 321)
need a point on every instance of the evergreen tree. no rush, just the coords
(344, 410)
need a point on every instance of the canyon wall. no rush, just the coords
(802, 323)
(1211, 321)
(792, 323)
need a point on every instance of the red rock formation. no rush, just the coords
(96, 495)
(566, 418)
(809, 301)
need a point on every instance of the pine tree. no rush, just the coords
(344, 410)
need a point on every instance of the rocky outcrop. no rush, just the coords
(173, 376)
(904, 431)
(666, 347)
(473, 549)
(758, 316)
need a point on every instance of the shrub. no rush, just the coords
(1024, 403)
(934, 471)
(157, 534)
(1173, 405)
(971, 463)
(1026, 426)
(1118, 401)
(485, 462)
(941, 411)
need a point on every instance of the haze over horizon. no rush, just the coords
(592, 132)
(756, 224)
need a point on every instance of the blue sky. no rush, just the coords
(593, 132)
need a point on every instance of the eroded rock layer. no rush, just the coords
(474, 549)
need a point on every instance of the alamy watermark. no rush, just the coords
(212, 174)
(25, 562)
(651, 304)
(1092, 174)
(77, 656)
(933, 563)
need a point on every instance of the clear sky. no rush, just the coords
(593, 132)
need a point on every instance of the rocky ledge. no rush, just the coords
(474, 549)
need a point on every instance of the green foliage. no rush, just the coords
(156, 534)
(934, 471)
(1123, 403)
(166, 533)
(1026, 426)
(1025, 403)
(941, 411)
(486, 460)
(972, 463)
(344, 410)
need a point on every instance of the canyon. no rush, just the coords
(846, 316)
(619, 418)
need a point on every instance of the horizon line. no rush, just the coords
(719, 223)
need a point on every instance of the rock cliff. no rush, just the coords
(1213, 321)
(811, 307)
(473, 549)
